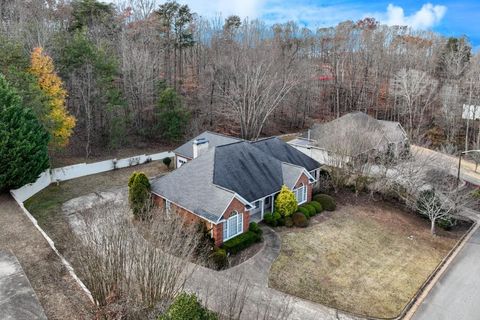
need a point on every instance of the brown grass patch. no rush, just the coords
(369, 258)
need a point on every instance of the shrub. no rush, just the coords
(254, 228)
(303, 210)
(286, 203)
(187, 306)
(139, 195)
(300, 220)
(281, 222)
(311, 209)
(317, 206)
(219, 258)
(446, 223)
(269, 220)
(241, 242)
(166, 161)
(327, 202)
(288, 222)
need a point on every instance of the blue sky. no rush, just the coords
(452, 18)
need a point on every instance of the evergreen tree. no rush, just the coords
(139, 195)
(23, 141)
(172, 116)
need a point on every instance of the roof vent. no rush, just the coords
(200, 145)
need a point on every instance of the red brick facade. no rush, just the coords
(304, 179)
(217, 230)
(235, 205)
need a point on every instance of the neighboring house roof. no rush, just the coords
(214, 140)
(358, 132)
(242, 170)
(394, 131)
(286, 153)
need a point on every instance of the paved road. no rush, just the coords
(467, 170)
(17, 298)
(456, 296)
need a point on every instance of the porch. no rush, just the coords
(262, 206)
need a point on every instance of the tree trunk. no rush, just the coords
(432, 226)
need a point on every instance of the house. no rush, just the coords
(192, 148)
(355, 135)
(230, 185)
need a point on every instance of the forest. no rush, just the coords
(101, 76)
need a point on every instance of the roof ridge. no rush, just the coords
(220, 134)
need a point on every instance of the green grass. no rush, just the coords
(360, 259)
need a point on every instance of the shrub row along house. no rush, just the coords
(228, 184)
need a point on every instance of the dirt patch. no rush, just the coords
(368, 257)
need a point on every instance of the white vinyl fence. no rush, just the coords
(81, 170)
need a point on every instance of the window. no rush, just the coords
(232, 226)
(301, 194)
(181, 162)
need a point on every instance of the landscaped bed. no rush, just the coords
(367, 257)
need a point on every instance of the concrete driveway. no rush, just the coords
(457, 294)
(17, 298)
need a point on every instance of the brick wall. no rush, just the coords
(217, 230)
(304, 179)
(235, 205)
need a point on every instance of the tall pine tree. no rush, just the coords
(23, 141)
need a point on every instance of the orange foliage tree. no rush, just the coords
(58, 121)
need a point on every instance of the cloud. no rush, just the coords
(427, 17)
(242, 8)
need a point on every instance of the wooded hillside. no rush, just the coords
(137, 71)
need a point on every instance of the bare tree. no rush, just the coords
(416, 90)
(134, 266)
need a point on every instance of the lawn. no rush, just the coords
(46, 205)
(368, 258)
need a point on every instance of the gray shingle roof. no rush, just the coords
(191, 187)
(362, 131)
(286, 153)
(207, 184)
(214, 140)
(245, 169)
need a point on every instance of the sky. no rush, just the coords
(450, 17)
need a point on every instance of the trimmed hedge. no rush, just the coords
(300, 220)
(304, 210)
(311, 209)
(241, 242)
(327, 202)
(317, 206)
(273, 219)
